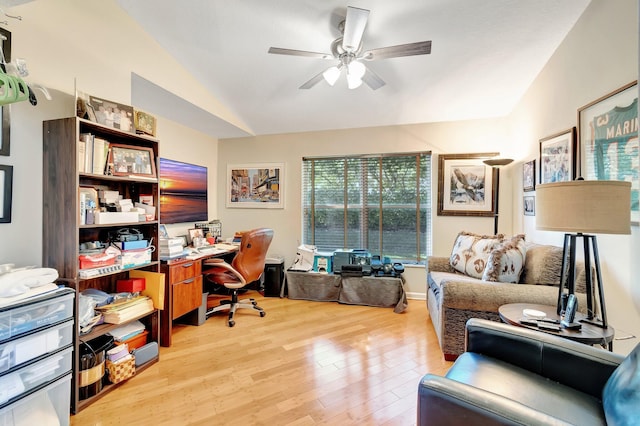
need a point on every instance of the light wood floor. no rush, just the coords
(304, 363)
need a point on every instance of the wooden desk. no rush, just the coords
(588, 334)
(183, 289)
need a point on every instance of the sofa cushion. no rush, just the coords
(542, 265)
(621, 394)
(505, 263)
(471, 251)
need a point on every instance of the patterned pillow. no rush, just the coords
(505, 262)
(471, 251)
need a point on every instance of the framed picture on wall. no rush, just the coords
(466, 186)
(529, 176)
(6, 190)
(558, 157)
(608, 140)
(256, 186)
(529, 205)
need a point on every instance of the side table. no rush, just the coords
(589, 334)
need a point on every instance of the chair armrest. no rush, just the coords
(553, 357)
(439, 264)
(445, 401)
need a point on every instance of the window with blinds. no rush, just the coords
(381, 203)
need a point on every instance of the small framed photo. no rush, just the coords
(111, 114)
(144, 123)
(529, 205)
(195, 233)
(127, 160)
(529, 176)
(558, 157)
(162, 232)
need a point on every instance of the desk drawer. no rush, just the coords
(184, 271)
(187, 296)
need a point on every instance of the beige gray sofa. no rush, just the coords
(453, 297)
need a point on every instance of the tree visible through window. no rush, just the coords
(381, 203)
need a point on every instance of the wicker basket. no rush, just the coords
(120, 371)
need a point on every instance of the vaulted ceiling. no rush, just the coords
(484, 56)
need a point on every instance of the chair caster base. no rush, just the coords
(231, 323)
(262, 314)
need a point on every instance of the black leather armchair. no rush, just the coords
(516, 376)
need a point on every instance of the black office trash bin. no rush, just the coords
(273, 276)
(92, 368)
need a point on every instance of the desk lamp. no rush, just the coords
(579, 208)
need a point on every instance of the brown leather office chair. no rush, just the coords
(247, 266)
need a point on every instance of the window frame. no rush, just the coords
(423, 175)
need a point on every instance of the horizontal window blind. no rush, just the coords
(381, 203)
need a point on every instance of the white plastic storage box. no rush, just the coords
(32, 346)
(16, 319)
(29, 377)
(47, 406)
(133, 258)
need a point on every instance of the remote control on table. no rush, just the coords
(548, 326)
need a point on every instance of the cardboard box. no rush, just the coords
(103, 218)
(132, 285)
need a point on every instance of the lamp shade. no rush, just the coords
(584, 206)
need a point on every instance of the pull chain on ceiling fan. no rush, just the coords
(348, 51)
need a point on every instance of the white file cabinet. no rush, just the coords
(36, 360)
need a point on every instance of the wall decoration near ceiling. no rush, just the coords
(529, 176)
(466, 186)
(558, 157)
(608, 135)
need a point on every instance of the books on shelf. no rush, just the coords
(123, 311)
(93, 154)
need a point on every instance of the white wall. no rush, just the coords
(599, 55)
(95, 44)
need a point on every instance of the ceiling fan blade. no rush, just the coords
(292, 52)
(313, 81)
(372, 80)
(354, 25)
(409, 49)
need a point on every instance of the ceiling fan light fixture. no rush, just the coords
(356, 69)
(331, 75)
(353, 81)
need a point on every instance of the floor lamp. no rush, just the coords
(496, 163)
(581, 208)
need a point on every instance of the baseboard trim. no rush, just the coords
(416, 296)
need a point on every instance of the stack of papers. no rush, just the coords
(127, 331)
(170, 247)
(124, 311)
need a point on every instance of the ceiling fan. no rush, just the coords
(348, 51)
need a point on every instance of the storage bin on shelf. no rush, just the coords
(16, 319)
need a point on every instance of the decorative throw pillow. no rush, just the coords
(471, 251)
(505, 262)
